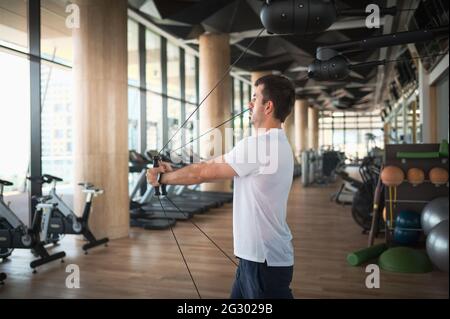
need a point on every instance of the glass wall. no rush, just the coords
(13, 24)
(246, 91)
(134, 109)
(191, 85)
(351, 132)
(173, 70)
(237, 108)
(56, 92)
(154, 86)
(153, 62)
(57, 121)
(14, 119)
(191, 78)
(241, 96)
(154, 121)
(174, 122)
(15, 104)
(56, 38)
(133, 53)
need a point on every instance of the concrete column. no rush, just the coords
(258, 74)
(387, 132)
(427, 105)
(214, 61)
(313, 128)
(101, 113)
(301, 126)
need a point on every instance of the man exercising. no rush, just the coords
(262, 239)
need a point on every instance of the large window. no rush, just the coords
(13, 24)
(133, 53)
(56, 38)
(134, 108)
(174, 122)
(57, 121)
(191, 90)
(15, 104)
(56, 92)
(191, 79)
(173, 70)
(14, 119)
(246, 91)
(354, 133)
(153, 67)
(237, 108)
(154, 121)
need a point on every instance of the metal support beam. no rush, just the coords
(34, 44)
(165, 125)
(142, 91)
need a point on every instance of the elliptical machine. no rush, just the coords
(63, 220)
(15, 234)
(362, 204)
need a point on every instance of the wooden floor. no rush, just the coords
(148, 263)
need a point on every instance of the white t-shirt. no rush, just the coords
(261, 193)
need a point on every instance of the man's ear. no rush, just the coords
(269, 108)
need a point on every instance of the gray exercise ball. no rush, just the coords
(434, 212)
(437, 246)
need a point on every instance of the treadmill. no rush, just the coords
(148, 206)
(138, 164)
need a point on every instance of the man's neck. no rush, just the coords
(266, 128)
(270, 125)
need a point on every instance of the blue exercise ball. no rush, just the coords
(407, 237)
(408, 219)
(437, 245)
(433, 213)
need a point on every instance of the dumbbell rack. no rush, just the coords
(409, 197)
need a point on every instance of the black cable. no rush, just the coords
(193, 223)
(210, 130)
(181, 251)
(212, 90)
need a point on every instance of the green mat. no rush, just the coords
(443, 149)
(405, 260)
(417, 155)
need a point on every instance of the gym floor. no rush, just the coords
(148, 263)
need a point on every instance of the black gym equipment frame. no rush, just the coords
(64, 221)
(15, 234)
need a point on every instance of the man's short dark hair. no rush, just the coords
(280, 90)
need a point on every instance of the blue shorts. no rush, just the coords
(259, 281)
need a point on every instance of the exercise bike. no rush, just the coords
(15, 234)
(64, 221)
